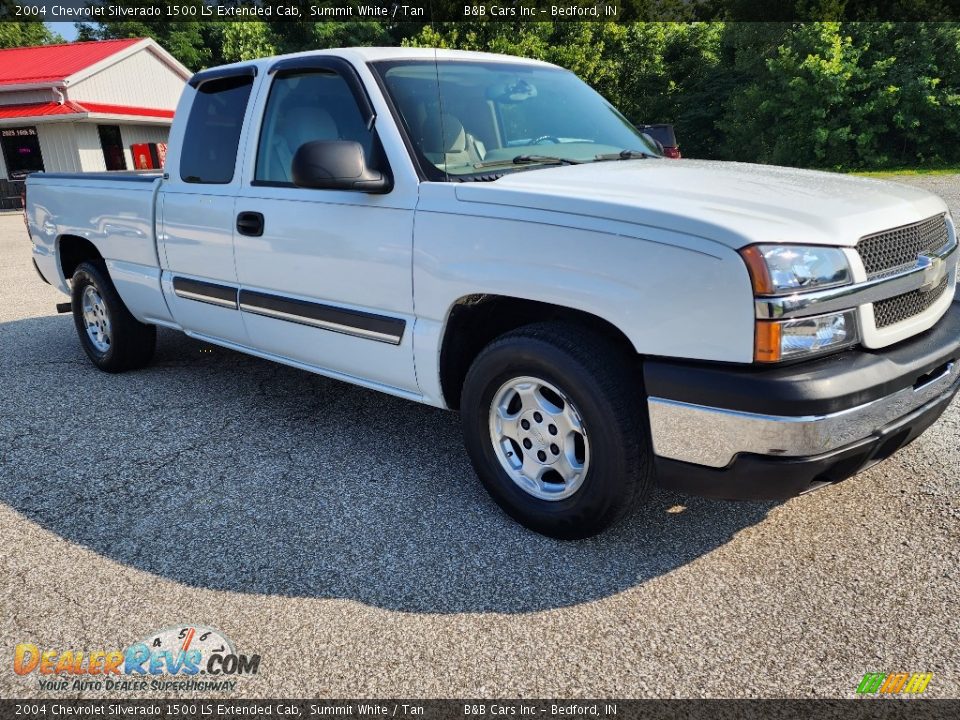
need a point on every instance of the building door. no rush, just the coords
(21, 151)
(112, 145)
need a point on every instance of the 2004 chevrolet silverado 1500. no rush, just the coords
(487, 233)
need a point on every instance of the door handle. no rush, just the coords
(250, 223)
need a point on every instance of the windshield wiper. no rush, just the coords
(625, 155)
(528, 160)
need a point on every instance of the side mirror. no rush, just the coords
(336, 165)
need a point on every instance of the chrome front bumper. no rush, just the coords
(713, 437)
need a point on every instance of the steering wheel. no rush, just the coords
(545, 139)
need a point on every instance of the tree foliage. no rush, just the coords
(195, 44)
(851, 95)
(202, 44)
(816, 94)
(23, 34)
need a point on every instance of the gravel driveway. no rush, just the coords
(342, 535)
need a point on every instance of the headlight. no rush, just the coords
(795, 269)
(805, 337)
(786, 269)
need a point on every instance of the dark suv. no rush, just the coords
(663, 134)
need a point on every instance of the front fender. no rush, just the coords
(669, 300)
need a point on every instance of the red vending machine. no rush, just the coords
(148, 156)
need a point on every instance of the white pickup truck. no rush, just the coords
(488, 234)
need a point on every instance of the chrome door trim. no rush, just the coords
(206, 292)
(369, 326)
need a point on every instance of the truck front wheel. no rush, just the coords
(112, 338)
(554, 425)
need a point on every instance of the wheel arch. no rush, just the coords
(473, 321)
(73, 250)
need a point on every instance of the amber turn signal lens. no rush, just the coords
(767, 347)
(758, 269)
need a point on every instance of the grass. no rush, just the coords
(891, 172)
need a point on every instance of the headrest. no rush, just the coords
(305, 124)
(443, 134)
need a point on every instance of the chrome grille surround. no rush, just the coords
(893, 251)
(903, 307)
(868, 292)
(896, 301)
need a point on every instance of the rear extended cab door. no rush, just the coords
(325, 276)
(196, 217)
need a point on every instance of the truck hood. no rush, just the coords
(732, 203)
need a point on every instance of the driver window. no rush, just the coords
(303, 107)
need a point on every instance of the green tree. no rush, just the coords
(905, 103)
(195, 44)
(813, 94)
(201, 44)
(24, 34)
(795, 109)
(244, 41)
(591, 50)
(653, 72)
(853, 94)
(669, 73)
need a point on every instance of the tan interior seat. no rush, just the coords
(446, 143)
(295, 127)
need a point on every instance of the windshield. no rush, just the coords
(465, 118)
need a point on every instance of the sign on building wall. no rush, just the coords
(21, 151)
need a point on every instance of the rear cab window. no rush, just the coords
(212, 137)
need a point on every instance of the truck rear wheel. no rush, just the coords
(554, 425)
(112, 338)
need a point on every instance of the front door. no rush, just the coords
(325, 275)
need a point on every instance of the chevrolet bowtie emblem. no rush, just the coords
(934, 270)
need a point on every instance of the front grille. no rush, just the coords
(893, 310)
(893, 251)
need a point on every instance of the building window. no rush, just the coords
(21, 151)
(112, 145)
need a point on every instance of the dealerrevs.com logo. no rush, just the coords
(183, 658)
(895, 683)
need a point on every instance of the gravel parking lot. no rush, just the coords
(342, 535)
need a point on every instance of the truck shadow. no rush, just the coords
(221, 471)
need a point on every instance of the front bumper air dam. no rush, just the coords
(782, 431)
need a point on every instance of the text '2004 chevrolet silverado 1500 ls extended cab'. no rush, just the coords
(487, 233)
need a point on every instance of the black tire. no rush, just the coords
(598, 376)
(131, 342)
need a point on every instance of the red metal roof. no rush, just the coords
(54, 63)
(33, 110)
(38, 110)
(126, 110)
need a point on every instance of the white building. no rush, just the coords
(81, 106)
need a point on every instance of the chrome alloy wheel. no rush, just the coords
(539, 438)
(95, 319)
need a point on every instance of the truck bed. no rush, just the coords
(114, 211)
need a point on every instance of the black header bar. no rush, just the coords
(426, 11)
